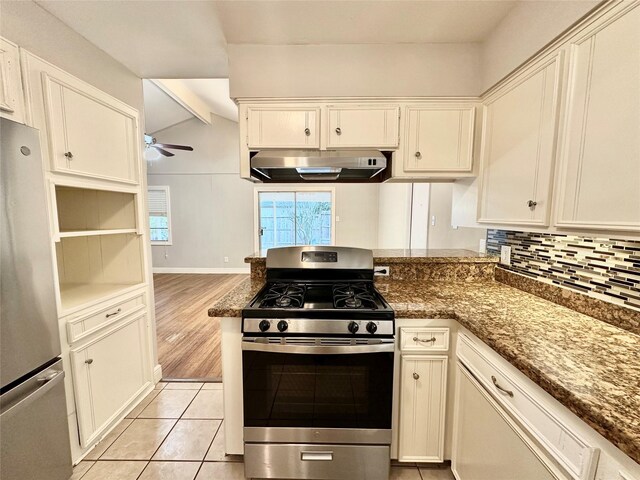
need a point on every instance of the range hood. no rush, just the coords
(318, 166)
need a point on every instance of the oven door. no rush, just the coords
(309, 390)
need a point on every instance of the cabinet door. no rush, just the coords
(283, 127)
(363, 126)
(11, 95)
(600, 170)
(486, 441)
(90, 133)
(518, 147)
(439, 139)
(423, 389)
(108, 373)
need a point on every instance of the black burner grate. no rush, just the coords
(283, 295)
(353, 296)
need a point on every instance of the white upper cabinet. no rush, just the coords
(11, 96)
(600, 147)
(439, 138)
(362, 126)
(283, 127)
(90, 133)
(518, 147)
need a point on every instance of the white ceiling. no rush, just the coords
(359, 21)
(215, 93)
(160, 110)
(188, 38)
(153, 39)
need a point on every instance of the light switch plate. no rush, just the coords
(482, 247)
(505, 255)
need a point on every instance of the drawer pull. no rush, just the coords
(497, 385)
(424, 340)
(316, 456)
(415, 376)
(89, 361)
(307, 132)
(113, 314)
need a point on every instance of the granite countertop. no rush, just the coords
(412, 256)
(591, 367)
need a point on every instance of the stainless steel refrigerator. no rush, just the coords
(34, 435)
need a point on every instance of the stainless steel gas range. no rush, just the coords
(317, 353)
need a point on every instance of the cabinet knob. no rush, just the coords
(531, 204)
(307, 132)
(418, 154)
(338, 131)
(89, 361)
(415, 376)
(69, 155)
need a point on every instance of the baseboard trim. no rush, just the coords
(223, 270)
(157, 373)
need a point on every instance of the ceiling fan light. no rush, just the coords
(151, 154)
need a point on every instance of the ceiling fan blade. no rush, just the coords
(163, 151)
(172, 146)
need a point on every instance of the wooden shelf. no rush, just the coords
(75, 295)
(91, 233)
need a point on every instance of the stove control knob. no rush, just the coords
(372, 327)
(353, 327)
(282, 325)
(264, 325)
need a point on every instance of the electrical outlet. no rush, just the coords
(381, 271)
(433, 220)
(226, 259)
(505, 255)
(337, 218)
(482, 248)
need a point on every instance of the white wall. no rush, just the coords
(357, 207)
(444, 234)
(394, 219)
(354, 70)
(35, 29)
(211, 206)
(527, 28)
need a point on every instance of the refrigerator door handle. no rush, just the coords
(46, 383)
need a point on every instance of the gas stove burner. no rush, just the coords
(353, 295)
(284, 295)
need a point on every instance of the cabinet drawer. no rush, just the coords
(85, 325)
(573, 453)
(424, 339)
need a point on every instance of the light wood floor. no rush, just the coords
(188, 339)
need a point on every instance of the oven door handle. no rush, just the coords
(317, 349)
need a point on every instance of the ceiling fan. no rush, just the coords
(161, 147)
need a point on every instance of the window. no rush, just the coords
(159, 215)
(294, 217)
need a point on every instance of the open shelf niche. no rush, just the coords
(93, 268)
(87, 212)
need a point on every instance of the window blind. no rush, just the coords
(157, 202)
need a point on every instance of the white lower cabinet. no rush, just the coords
(488, 445)
(423, 384)
(108, 374)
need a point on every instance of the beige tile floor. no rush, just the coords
(176, 433)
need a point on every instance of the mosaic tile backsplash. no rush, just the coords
(608, 269)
